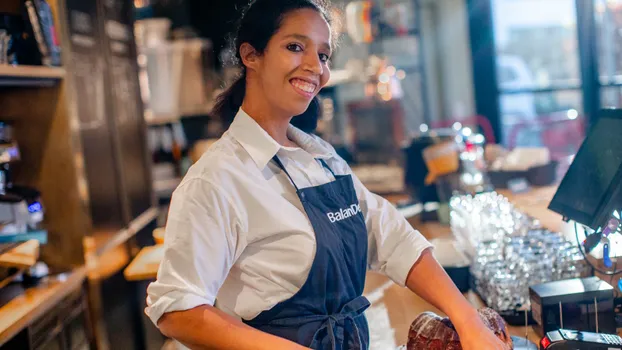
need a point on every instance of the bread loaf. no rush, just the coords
(432, 332)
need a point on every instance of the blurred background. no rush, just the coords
(105, 104)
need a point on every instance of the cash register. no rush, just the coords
(564, 339)
(590, 195)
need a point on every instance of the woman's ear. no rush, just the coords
(249, 56)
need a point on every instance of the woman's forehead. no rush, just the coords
(308, 23)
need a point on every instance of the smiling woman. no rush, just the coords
(270, 234)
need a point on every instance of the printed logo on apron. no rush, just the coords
(344, 214)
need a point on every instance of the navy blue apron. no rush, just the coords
(327, 312)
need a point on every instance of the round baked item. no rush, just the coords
(432, 332)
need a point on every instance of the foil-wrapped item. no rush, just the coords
(510, 251)
(485, 217)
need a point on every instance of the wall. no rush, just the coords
(453, 58)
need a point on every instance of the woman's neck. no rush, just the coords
(274, 124)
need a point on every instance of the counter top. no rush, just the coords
(24, 255)
(535, 203)
(145, 265)
(27, 305)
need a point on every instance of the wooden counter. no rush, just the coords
(145, 265)
(32, 303)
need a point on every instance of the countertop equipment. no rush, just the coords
(582, 303)
(21, 209)
(564, 339)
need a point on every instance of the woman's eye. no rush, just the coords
(294, 48)
(324, 57)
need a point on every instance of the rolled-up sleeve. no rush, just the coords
(200, 244)
(394, 245)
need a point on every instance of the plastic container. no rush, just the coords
(178, 78)
(194, 88)
(151, 32)
(158, 235)
(164, 67)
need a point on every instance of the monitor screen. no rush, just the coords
(590, 176)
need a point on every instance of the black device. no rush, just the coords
(564, 339)
(591, 189)
(580, 303)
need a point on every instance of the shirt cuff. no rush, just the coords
(170, 303)
(405, 256)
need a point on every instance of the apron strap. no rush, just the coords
(280, 164)
(327, 167)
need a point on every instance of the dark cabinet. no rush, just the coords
(64, 327)
(54, 344)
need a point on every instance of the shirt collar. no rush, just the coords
(262, 147)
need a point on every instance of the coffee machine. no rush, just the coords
(21, 210)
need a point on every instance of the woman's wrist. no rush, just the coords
(464, 317)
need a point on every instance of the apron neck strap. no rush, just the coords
(280, 165)
(327, 167)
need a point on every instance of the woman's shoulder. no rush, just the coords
(323, 143)
(223, 160)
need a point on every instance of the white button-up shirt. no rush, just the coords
(237, 235)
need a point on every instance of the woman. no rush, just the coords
(269, 235)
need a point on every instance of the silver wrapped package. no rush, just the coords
(509, 251)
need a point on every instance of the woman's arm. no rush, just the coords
(430, 281)
(206, 327)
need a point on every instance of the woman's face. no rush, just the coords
(294, 65)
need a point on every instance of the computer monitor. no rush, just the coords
(591, 189)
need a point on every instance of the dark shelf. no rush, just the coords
(30, 76)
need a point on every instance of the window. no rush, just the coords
(538, 74)
(608, 16)
(611, 97)
(537, 42)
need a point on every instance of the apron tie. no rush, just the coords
(350, 311)
(332, 322)
(353, 309)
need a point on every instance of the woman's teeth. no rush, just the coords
(303, 85)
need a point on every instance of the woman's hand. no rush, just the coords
(474, 335)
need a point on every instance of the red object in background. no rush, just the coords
(545, 342)
(478, 120)
(561, 135)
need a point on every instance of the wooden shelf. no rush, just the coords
(30, 75)
(153, 119)
(27, 305)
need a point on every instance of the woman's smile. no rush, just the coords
(305, 88)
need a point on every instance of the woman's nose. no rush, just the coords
(313, 64)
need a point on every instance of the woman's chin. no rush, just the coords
(298, 109)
